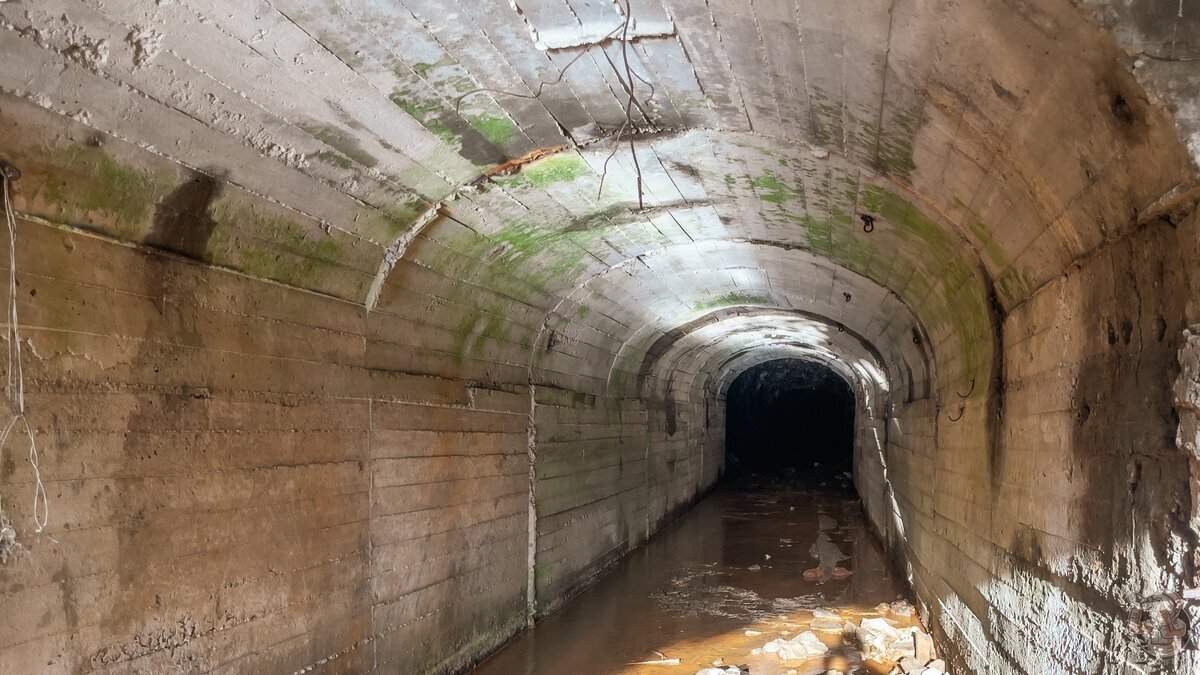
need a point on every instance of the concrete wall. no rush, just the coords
(1030, 540)
(245, 476)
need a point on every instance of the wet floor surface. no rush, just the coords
(721, 582)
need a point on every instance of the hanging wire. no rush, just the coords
(14, 385)
(541, 85)
(626, 81)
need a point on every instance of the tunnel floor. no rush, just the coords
(721, 582)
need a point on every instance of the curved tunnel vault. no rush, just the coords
(449, 298)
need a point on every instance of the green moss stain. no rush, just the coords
(522, 256)
(333, 159)
(560, 168)
(945, 280)
(340, 141)
(768, 187)
(107, 190)
(497, 129)
(986, 242)
(894, 155)
(911, 223)
(270, 246)
(428, 113)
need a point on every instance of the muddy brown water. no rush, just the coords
(693, 591)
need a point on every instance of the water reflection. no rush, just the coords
(719, 583)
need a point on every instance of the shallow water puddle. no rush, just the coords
(721, 583)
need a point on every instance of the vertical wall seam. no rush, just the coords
(531, 561)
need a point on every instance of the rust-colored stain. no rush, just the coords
(513, 166)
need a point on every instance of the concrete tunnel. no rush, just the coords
(356, 337)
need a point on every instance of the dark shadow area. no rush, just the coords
(792, 419)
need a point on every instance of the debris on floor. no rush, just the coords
(884, 643)
(825, 573)
(745, 614)
(899, 608)
(803, 646)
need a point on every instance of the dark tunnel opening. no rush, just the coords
(792, 419)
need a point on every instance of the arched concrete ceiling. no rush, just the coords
(481, 168)
(714, 354)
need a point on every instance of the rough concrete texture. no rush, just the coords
(360, 334)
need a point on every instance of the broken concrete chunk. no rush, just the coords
(882, 642)
(803, 646)
(923, 648)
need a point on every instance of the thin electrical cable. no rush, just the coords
(637, 167)
(15, 377)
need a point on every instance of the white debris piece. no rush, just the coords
(882, 642)
(803, 646)
(923, 647)
(822, 613)
(731, 670)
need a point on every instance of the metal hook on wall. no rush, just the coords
(12, 173)
(962, 410)
(969, 391)
(868, 222)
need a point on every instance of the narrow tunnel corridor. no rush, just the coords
(790, 418)
(373, 336)
(774, 572)
(717, 587)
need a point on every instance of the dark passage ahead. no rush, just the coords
(786, 415)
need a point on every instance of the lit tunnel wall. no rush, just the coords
(342, 356)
